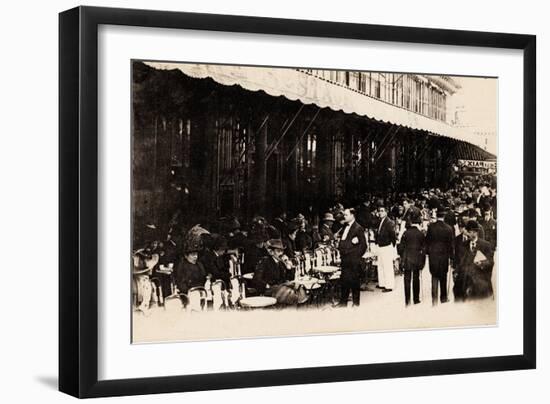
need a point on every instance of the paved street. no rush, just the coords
(378, 312)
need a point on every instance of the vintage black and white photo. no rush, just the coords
(276, 201)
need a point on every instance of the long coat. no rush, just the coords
(269, 272)
(351, 252)
(412, 249)
(439, 246)
(478, 276)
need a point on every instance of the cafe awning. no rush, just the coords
(297, 85)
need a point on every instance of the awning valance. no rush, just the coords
(297, 85)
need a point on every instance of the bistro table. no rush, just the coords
(258, 302)
(326, 269)
(308, 282)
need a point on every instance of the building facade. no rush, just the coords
(217, 145)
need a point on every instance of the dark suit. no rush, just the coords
(268, 272)
(386, 233)
(326, 234)
(252, 255)
(412, 250)
(490, 230)
(481, 230)
(459, 287)
(351, 252)
(478, 276)
(215, 265)
(303, 241)
(440, 247)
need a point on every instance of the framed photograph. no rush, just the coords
(251, 201)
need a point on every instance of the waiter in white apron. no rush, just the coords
(386, 239)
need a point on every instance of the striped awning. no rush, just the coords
(295, 85)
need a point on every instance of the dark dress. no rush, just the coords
(189, 275)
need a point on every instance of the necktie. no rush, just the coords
(472, 246)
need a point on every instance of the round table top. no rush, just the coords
(249, 275)
(326, 269)
(258, 301)
(309, 283)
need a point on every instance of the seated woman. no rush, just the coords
(189, 272)
(143, 289)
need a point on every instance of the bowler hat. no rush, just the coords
(275, 243)
(472, 225)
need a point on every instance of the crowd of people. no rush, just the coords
(454, 231)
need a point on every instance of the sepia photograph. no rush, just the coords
(291, 201)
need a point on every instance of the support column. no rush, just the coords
(259, 172)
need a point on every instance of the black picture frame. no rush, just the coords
(78, 200)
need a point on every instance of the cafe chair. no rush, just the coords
(218, 295)
(196, 299)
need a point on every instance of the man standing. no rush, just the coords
(459, 276)
(386, 240)
(439, 246)
(352, 246)
(477, 262)
(412, 250)
(489, 228)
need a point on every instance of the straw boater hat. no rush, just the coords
(328, 217)
(275, 243)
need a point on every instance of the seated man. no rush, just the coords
(325, 232)
(212, 258)
(270, 271)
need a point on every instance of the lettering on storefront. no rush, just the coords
(478, 165)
